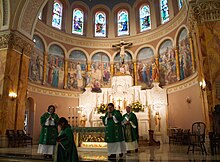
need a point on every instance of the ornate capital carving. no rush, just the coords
(203, 11)
(16, 42)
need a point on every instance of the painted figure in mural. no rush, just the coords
(65, 146)
(78, 71)
(61, 77)
(48, 133)
(55, 79)
(157, 122)
(96, 86)
(50, 72)
(144, 74)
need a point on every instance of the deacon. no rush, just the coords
(114, 132)
(130, 130)
(48, 133)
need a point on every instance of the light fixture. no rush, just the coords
(202, 84)
(12, 95)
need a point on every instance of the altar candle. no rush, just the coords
(69, 111)
(103, 97)
(107, 97)
(73, 111)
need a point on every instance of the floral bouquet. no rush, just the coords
(102, 109)
(137, 106)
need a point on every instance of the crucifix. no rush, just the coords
(122, 46)
(119, 101)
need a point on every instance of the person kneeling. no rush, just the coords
(65, 147)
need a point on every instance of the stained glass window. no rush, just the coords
(123, 23)
(78, 20)
(180, 3)
(164, 11)
(57, 14)
(100, 24)
(145, 23)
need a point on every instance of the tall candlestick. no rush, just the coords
(69, 111)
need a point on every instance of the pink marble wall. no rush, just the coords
(41, 103)
(181, 113)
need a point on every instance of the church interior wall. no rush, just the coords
(43, 101)
(185, 107)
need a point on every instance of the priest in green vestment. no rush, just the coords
(48, 133)
(130, 130)
(65, 148)
(114, 132)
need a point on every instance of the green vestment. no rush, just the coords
(114, 130)
(130, 130)
(49, 132)
(66, 151)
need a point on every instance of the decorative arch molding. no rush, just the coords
(144, 46)
(160, 42)
(43, 40)
(60, 45)
(80, 4)
(79, 49)
(179, 30)
(97, 51)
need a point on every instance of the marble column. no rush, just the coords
(17, 49)
(45, 68)
(88, 66)
(135, 73)
(192, 53)
(177, 63)
(65, 73)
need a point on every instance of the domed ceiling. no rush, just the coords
(109, 3)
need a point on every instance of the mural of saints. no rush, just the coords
(100, 72)
(36, 62)
(145, 59)
(55, 67)
(185, 59)
(123, 69)
(167, 63)
(78, 76)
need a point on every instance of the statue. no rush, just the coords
(83, 120)
(122, 46)
(157, 122)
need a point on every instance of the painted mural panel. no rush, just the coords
(55, 67)
(167, 63)
(100, 72)
(123, 69)
(145, 59)
(36, 61)
(185, 59)
(78, 76)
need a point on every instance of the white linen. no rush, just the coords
(116, 148)
(46, 149)
(131, 145)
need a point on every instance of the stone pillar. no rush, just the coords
(45, 68)
(112, 69)
(177, 63)
(65, 74)
(155, 71)
(88, 66)
(17, 49)
(135, 73)
(192, 53)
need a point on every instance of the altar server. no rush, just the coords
(130, 130)
(48, 133)
(114, 132)
(65, 149)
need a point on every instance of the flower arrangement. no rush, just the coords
(137, 106)
(102, 109)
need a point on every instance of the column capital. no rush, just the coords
(16, 41)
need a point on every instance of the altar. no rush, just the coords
(123, 93)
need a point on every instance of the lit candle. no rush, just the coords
(69, 111)
(73, 111)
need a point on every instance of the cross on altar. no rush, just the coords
(119, 101)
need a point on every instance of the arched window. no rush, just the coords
(144, 13)
(57, 14)
(180, 4)
(123, 22)
(78, 21)
(100, 24)
(164, 10)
